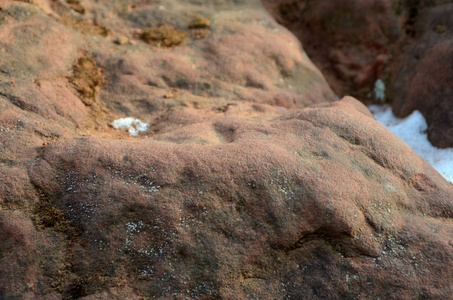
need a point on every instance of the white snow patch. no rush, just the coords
(379, 90)
(135, 126)
(413, 131)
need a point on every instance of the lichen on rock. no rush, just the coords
(163, 36)
(87, 78)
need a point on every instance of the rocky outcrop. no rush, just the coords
(425, 78)
(251, 182)
(404, 44)
(352, 42)
(322, 202)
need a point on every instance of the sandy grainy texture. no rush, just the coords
(250, 182)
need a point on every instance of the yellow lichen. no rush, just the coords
(88, 27)
(163, 35)
(48, 217)
(199, 22)
(76, 6)
(86, 78)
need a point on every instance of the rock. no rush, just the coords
(251, 181)
(402, 44)
(122, 40)
(209, 66)
(18, 256)
(424, 80)
(264, 209)
(352, 42)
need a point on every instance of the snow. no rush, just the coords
(379, 90)
(413, 131)
(135, 126)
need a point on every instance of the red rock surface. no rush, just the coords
(425, 79)
(352, 42)
(323, 201)
(406, 44)
(248, 184)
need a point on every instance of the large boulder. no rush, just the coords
(322, 202)
(352, 42)
(251, 181)
(407, 45)
(425, 80)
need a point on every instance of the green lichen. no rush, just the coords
(87, 27)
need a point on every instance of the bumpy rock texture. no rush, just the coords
(251, 183)
(407, 44)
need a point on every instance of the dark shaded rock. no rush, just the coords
(352, 42)
(425, 79)
(406, 44)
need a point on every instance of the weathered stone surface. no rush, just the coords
(263, 209)
(248, 184)
(425, 79)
